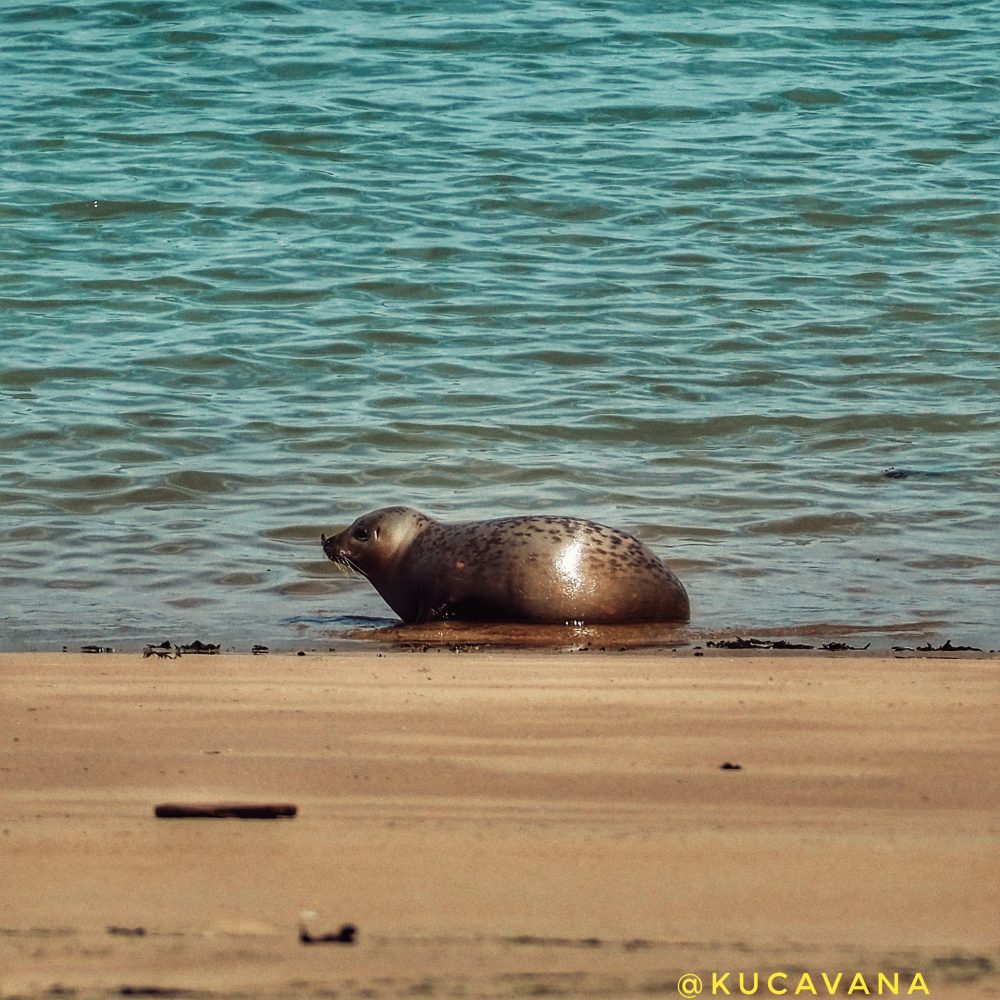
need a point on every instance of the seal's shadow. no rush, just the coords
(521, 635)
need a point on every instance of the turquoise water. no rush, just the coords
(702, 272)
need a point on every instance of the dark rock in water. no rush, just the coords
(893, 473)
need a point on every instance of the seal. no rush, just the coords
(512, 569)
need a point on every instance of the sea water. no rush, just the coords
(723, 275)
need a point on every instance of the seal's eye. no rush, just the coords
(361, 534)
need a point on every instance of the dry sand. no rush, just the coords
(499, 825)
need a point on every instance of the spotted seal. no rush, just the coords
(515, 569)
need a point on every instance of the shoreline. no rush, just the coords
(652, 638)
(497, 824)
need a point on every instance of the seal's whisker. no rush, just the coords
(347, 565)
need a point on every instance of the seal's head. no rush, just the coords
(376, 541)
(376, 545)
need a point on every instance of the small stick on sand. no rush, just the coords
(345, 935)
(225, 810)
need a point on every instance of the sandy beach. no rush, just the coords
(501, 824)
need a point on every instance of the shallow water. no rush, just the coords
(699, 272)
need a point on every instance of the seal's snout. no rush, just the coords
(338, 550)
(329, 546)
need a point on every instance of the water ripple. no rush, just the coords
(704, 274)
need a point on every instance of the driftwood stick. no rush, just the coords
(225, 810)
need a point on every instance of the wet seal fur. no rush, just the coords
(544, 569)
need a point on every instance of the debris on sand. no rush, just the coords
(946, 648)
(166, 650)
(741, 643)
(198, 646)
(225, 810)
(346, 935)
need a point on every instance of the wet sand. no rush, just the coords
(499, 824)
